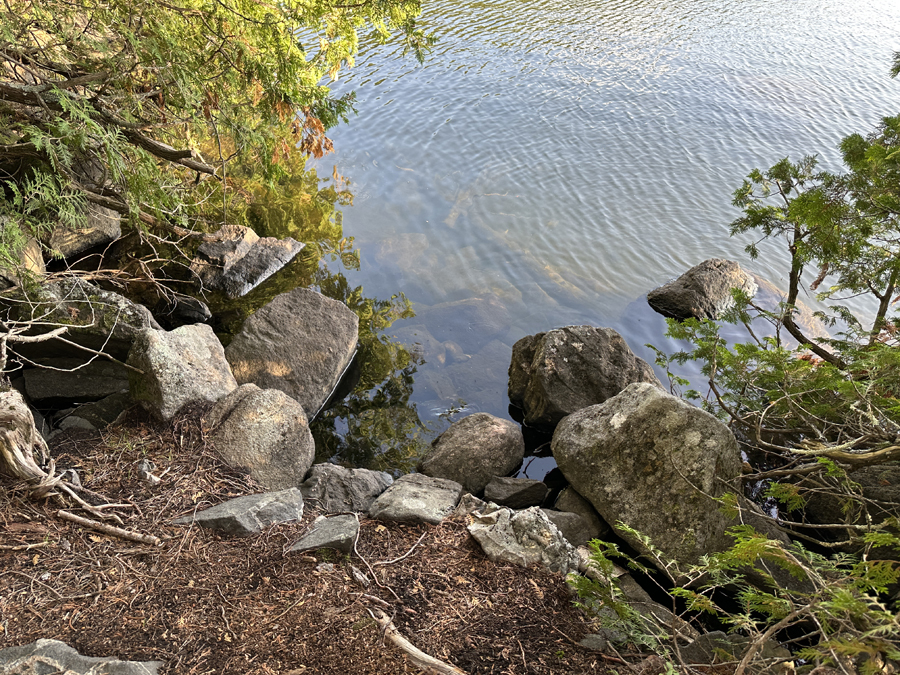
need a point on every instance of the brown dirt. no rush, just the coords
(206, 604)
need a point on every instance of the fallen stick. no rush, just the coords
(110, 529)
(24, 547)
(420, 659)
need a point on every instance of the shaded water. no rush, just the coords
(557, 160)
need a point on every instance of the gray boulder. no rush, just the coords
(300, 343)
(655, 463)
(416, 498)
(332, 489)
(240, 260)
(572, 368)
(520, 367)
(181, 366)
(98, 319)
(102, 228)
(337, 532)
(703, 292)
(52, 656)
(264, 431)
(75, 380)
(516, 493)
(250, 514)
(572, 526)
(522, 538)
(570, 501)
(474, 450)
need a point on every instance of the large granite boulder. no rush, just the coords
(239, 260)
(264, 431)
(522, 538)
(330, 488)
(416, 498)
(249, 514)
(474, 450)
(97, 319)
(655, 463)
(703, 292)
(572, 368)
(300, 343)
(180, 366)
(52, 656)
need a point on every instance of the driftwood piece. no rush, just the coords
(420, 659)
(19, 440)
(110, 529)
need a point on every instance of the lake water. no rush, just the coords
(557, 160)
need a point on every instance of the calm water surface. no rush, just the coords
(557, 160)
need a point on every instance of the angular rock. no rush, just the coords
(264, 431)
(655, 463)
(337, 532)
(32, 264)
(575, 367)
(331, 488)
(180, 366)
(469, 503)
(103, 227)
(703, 292)
(75, 380)
(516, 493)
(180, 311)
(523, 538)
(104, 412)
(570, 501)
(250, 514)
(98, 319)
(52, 656)
(471, 323)
(474, 450)
(300, 343)
(416, 498)
(241, 260)
(572, 526)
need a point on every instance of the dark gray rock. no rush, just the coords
(471, 323)
(264, 431)
(879, 485)
(570, 501)
(300, 343)
(97, 319)
(575, 367)
(104, 412)
(594, 641)
(103, 227)
(718, 647)
(241, 260)
(330, 488)
(474, 450)
(573, 527)
(419, 342)
(416, 498)
(180, 311)
(45, 657)
(520, 368)
(250, 514)
(522, 538)
(655, 463)
(337, 532)
(180, 366)
(75, 380)
(516, 493)
(703, 292)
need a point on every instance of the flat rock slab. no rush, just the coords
(180, 366)
(336, 532)
(300, 343)
(44, 657)
(75, 380)
(416, 498)
(250, 514)
(572, 526)
(333, 489)
(516, 493)
(522, 538)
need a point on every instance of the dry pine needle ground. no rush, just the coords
(206, 604)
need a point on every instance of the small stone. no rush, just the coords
(336, 532)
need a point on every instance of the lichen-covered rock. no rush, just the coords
(249, 514)
(703, 292)
(180, 366)
(330, 488)
(572, 368)
(300, 343)
(655, 463)
(264, 431)
(416, 498)
(523, 538)
(475, 449)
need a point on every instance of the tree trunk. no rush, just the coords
(20, 440)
